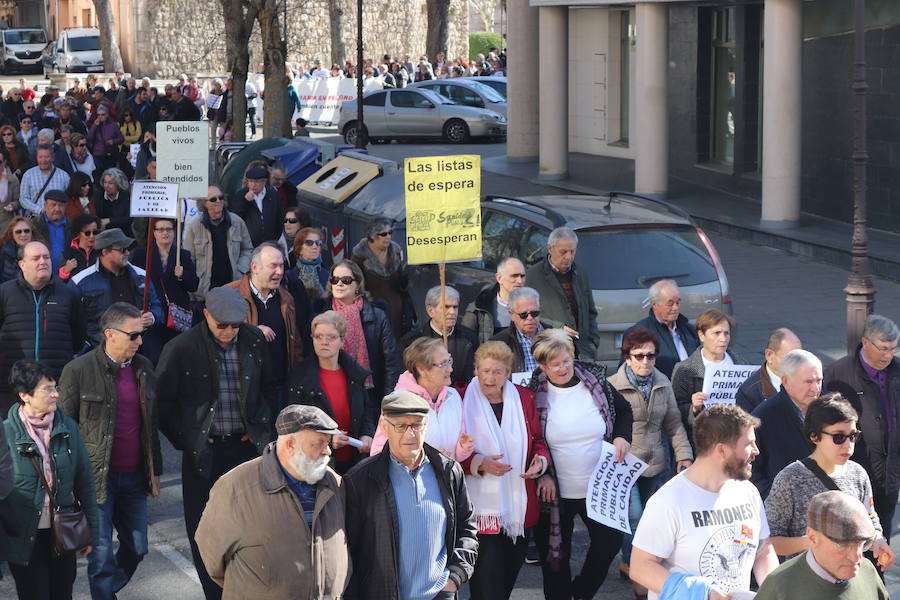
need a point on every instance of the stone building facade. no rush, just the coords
(187, 36)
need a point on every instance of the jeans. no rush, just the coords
(640, 493)
(498, 565)
(46, 577)
(125, 509)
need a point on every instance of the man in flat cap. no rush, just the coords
(839, 530)
(216, 397)
(259, 206)
(253, 540)
(410, 526)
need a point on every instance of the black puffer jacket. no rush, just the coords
(46, 325)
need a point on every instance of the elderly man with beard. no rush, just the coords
(705, 530)
(253, 540)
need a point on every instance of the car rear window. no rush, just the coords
(618, 259)
(84, 44)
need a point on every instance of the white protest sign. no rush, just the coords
(720, 382)
(609, 488)
(182, 156)
(154, 199)
(522, 378)
(213, 101)
(320, 99)
(134, 149)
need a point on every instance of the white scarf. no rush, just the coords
(445, 425)
(499, 502)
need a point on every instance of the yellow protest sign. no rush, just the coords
(443, 208)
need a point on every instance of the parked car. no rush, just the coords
(496, 82)
(626, 243)
(75, 51)
(417, 113)
(22, 49)
(466, 92)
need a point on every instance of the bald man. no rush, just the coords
(766, 382)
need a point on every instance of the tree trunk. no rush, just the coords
(276, 120)
(109, 43)
(338, 49)
(238, 28)
(438, 34)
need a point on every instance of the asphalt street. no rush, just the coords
(770, 289)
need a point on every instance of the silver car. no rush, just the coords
(495, 82)
(418, 113)
(466, 92)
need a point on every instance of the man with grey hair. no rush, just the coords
(461, 341)
(488, 314)
(766, 382)
(47, 137)
(565, 291)
(780, 438)
(37, 180)
(869, 379)
(677, 337)
(525, 324)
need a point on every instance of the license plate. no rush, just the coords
(97, 68)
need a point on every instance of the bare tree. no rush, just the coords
(485, 10)
(438, 35)
(239, 19)
(336, 15)
(277, 121)
(109, 43)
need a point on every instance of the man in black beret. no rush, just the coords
(259, 206)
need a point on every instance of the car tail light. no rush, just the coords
(717, 263)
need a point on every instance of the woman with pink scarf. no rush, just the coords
(44, 445)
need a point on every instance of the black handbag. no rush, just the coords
(68, 524)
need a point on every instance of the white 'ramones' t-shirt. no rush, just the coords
(699, 532)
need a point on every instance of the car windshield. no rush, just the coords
(488, 92)
(83, 44)
(25, 37)
(619, 259)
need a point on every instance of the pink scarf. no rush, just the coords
(40, 428)
(408, 382)
(355, 342)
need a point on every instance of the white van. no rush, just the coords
(76, 51)
(21, 49)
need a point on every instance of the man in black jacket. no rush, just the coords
(677, 337)
(766, 382)
(411, 482)
(525, 324)
(259, 206)
(488, 314)
(216, 403)
(185, 110)
(870, 380)
(41, 318)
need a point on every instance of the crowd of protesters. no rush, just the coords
(335, 446)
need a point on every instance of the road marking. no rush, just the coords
(177, 558)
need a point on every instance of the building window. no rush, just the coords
(626, 37)
(724, 57)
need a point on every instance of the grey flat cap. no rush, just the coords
(297, 417)
(399, 403)
(113, 237)
(840, 517)
(226, 305)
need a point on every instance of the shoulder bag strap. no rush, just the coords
(820, 474)
(46, 484)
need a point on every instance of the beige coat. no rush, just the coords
(198, 241)
(650, 419)
(255, 542)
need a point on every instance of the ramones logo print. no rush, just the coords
(726, 558)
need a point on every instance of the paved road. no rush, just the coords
(770, 289)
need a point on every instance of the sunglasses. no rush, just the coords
(132, 335)
(228, 325)
(21, 231)
(529, 313)
(292, 220)
(346, 280)
(312, 242)
(82, 145)
(89, 232)
(840, 438)
(385, 233)
(8, 134)
(643, 357)
(215, 198)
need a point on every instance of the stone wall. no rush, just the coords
(175, 36)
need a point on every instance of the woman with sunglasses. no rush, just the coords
(15, 151)
(82, 160)
(293, 223)
(370, 339)
(831, 427)
(131, 130)
(28, 135)
(19, 231)
(82, 252)
(381, 261)
(9, 192)
(80, 194)
(653, 406)
(308, 268)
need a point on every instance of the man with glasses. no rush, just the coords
(869, 379)
(410, 525)
(839, 531)
(217, 403)
(113, 279)
(50, 335)
(219, 243)
(39, 179)
(111, 393)
(489, 313)
(525, 323)
(12, 106)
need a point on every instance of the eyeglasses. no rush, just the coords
(48, 390)
(346, 280)
(840, 438)
(892, 350)
(643, 357)
(122, 250)
(528, 313)
(315, 243)
(321, 337)
(385, 233)
(228, 325)
(402, 428)
(447, 364)
(132, 335)
(81, 145)
(292, 220)
(164, 229)
(21, 231)
(8, 134)
(89, 232)
(215, 198)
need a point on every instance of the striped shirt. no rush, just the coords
(32, 182)
(227, 417)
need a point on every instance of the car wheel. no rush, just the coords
(351, 133)
(456, 131)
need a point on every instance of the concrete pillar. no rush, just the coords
(553, 145)
(650, 118)
(782, 113)
(522, 41)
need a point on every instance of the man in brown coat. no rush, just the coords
(274, 526)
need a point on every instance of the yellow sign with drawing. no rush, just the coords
(443, 208)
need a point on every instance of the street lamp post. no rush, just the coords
(361, 137)
(860, 287)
